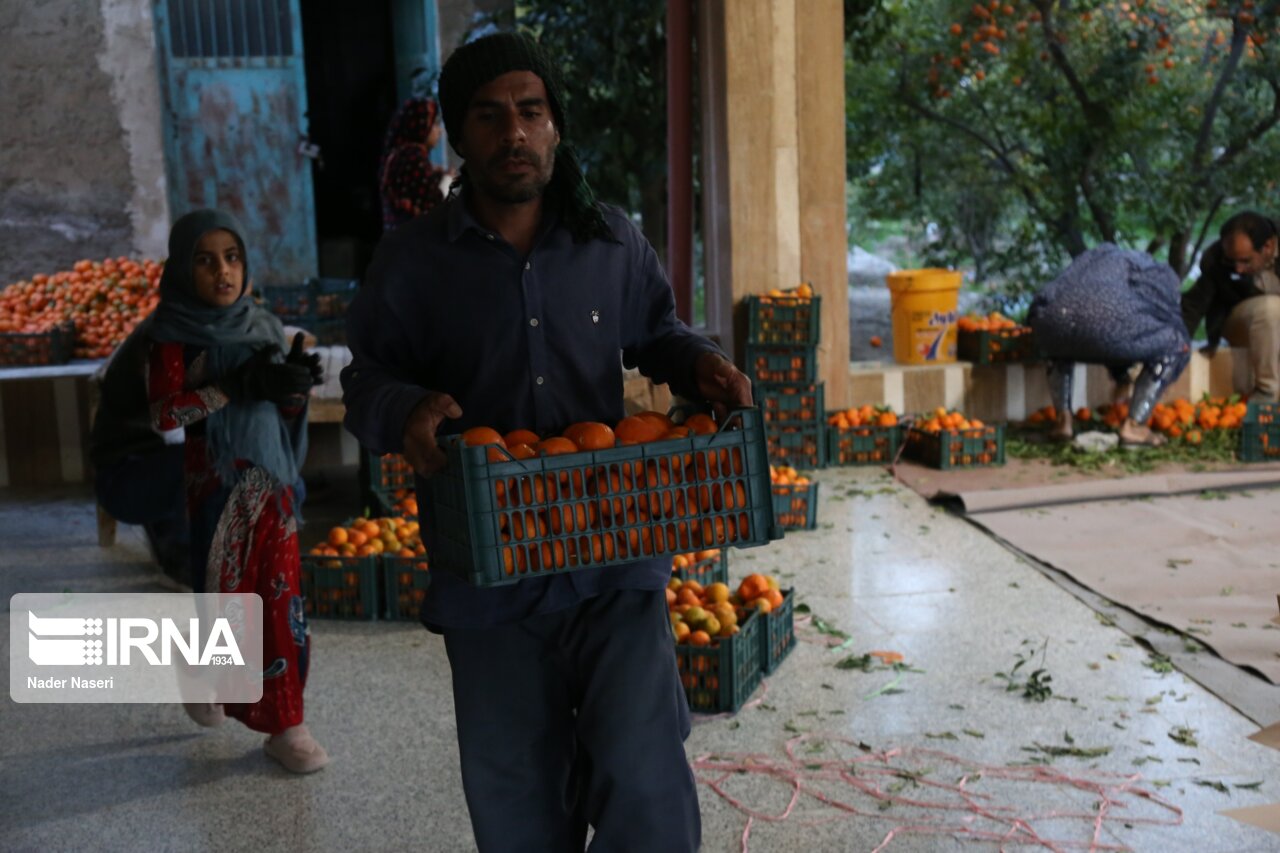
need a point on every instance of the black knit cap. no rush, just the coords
(476, 63)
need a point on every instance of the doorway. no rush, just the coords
(351, 96)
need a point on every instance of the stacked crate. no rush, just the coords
(782, 361)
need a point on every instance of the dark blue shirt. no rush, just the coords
(536, 342)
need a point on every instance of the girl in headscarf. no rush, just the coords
(215, 369)
(409, 183)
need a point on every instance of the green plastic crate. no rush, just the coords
(787, 320)
(721, 677)
(970, 448)
(796, 507)
(38, 348)
(996, 346)
(386, 475)
(778, 633)
(404, 586)
(862, 445)
(706, 572)
(340, 587)
(318, 305)
(789, 403)
(782, 364)
(499, 522)
(1260, 433)
(800, 446)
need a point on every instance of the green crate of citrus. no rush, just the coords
(706, 567)
(945, 441)
(787, 317)
(1260, 433)
(340, 587)
(993, 339)
(499, 519)
(782, 365)
(404, 586)
(789, 403)
(798, 445)
(52, 346)
(795, 505)
(721, 676)
(863, 435)
(778, 635)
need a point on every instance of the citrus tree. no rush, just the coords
(1027, 131)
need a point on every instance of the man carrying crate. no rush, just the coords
(515, 304)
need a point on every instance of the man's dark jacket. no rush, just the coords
(1217, 291)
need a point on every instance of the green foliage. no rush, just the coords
(613, 63)
(1027, 131)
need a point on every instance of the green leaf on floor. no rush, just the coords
(1248, 786)
(1184, 735)
(1158, 663)
(1175, 562)
(941, 735)
(1053, 751)
(973, 733)
(1217, 786)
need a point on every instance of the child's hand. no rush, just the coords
(311, 361)
(260, 378)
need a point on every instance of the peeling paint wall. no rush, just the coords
(81, 158)
(129, 59)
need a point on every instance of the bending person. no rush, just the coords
(1114, 307)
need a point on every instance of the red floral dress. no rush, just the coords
(254, 546)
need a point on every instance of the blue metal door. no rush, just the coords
(415, 36)
(235, 132)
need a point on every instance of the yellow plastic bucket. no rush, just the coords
(924, 306)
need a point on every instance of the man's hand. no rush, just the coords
(721, 384)
(420, 432)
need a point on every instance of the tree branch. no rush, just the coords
(1093, 111)
(1238, 146)
(1239, 35)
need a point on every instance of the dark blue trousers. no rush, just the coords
(576, 718)
(148, 490)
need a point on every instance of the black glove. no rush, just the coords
(309, 360)
(260, 378)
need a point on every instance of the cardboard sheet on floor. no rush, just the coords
(1038, 482)
(1263, 817)
(1270, 736)
(1205, 565)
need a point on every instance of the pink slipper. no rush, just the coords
(297, 750)
(207, 714)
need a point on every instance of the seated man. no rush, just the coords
(1238, 297)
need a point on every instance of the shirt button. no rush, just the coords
(533, 321)
(538, 380)
(489, 236)
(528, 265)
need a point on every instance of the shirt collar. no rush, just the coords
(460, 221)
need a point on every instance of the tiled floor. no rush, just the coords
(883, 567)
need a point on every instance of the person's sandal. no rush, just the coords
(296, 750)
(1155, 439)
(207, 714)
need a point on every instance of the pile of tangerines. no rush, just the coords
(864, 415)
(942, 420)
(363, 537)
(1179, 419)
(785, 475)
(800, 293)
(702, 615)
(104, 300)
(640, 428)
(995, 321)
(683, 562)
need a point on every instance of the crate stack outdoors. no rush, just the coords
(782, 362)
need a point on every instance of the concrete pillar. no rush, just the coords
(784, 141)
